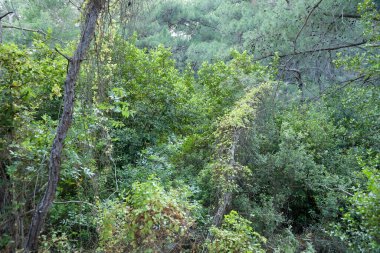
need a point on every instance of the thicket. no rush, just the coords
(220, 126)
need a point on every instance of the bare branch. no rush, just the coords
(79, 8)
(62, 54)
(315, 50)
(349, 15)
(373, 45)
(74, 202)
(298, 77)
(340, 190)
(24, 29)
(343, 85)
(6, 14)
(304, 24)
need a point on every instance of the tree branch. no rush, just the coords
(298, 77)
(6, 14)
(305, 23)
(93, 10)
(349, 15)
(63, 55)
(315, 50)
(24, 29)
(343, 85)
(74, 202)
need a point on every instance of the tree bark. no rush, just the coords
(94, 8)
(224, 202)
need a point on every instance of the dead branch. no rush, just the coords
(315, 50)
(305, 23)
(6, 14)
(24, 29)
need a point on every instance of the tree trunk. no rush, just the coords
(224, 202)
(226, 199)
(94, 8)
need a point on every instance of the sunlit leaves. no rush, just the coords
(235, 235)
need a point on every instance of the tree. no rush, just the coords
(92, 12)
(226, 170)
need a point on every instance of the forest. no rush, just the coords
(210, 126)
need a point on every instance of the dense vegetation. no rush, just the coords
(198, 126)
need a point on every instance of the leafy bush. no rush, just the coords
(236, 235)
(360, 225)
(150, 219)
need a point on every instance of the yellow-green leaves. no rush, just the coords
(230, 128)
(236, 235)
(150, 219)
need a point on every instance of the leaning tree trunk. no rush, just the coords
(94, 8)
(227, 169)
(224, 203)
(226, 199)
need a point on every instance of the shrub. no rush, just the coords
(236, 235)
(150, 219)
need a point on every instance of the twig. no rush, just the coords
(24, 29)
(20, 215)
(304, 24)
(301, 85)
(79, 8)
(315, 50)
(349, 15)
(62, 54)
(373, 45)
(345, 83)
(339, 189)
(74, 202)
(293, 70)
(6, 14)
